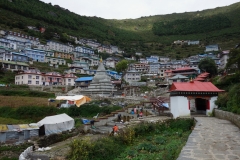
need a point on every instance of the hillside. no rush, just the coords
(150, 35)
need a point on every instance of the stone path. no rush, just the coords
(212, 139)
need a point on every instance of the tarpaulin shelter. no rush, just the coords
(56, 124)
(17, 133)
(78, 99)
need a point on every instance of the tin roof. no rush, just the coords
(82, 79)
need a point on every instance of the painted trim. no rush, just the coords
(189, 104)
(208, 105)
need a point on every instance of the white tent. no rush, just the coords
(57, 123)
(78, 99)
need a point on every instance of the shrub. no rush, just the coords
(127, 136)
(230, 101)
(222, 100)
(102, 149)
(147, 147)
(149, 138)
(185, 124)
(171, 149)
(80, 149)
(106, 149)
(131, 153)
(160, 140)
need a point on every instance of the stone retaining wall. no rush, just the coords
(234, 118)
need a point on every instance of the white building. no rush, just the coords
(22, 37)
(54, 61)
(138, 54)
(111, 62)
(29, 77)
(154, 68)
(59, 47)
(82, 49)
(114, 49)
(35, 77)
(92, 44)
(140, 67)
(42, 47)
(14, 44)
(143, 60)
(192, 97)
(132, 76)
(163, 59)
(193, 42)
(105, 49)
(69, 79)
(211, 48)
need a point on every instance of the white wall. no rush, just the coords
(179, 106)
(212, 105)
(23, 79)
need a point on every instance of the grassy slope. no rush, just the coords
(18, 101)
(226, 38)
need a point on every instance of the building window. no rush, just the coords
(29, 82)
(29, 76)
(12, 66)
(37, 77)
(69, 80)
(37, 82)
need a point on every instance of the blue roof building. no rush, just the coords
(83, 81)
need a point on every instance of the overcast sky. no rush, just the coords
(124, 9)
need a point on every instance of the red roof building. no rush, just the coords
(194, 97)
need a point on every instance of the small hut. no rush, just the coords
(17, 133)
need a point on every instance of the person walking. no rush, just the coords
(135, 110)
(132, 111)
(92, 124)
(119, 117)
(115, 128)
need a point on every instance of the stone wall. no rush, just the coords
(52, 88)
(118, 99)
(46, 141)
(234, 118)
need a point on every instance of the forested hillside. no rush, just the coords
(150, 35)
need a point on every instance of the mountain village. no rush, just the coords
(157, 107)
(19, 50)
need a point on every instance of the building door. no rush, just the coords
(41, 131)
(201, 105)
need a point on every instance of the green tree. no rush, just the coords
(208, 65)
(234, 59)
(121, 67)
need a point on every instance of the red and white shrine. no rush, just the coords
(192, 97)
